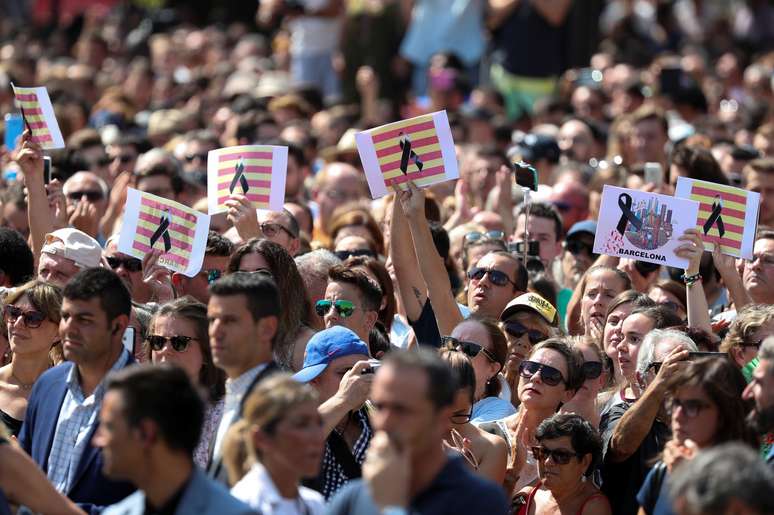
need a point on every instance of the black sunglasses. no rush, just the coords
(549, 375)
(470, 349)
(123, 158)
(497, 277)
(592, 369)
(179, 343)
(691, 407)
(91, 196)
(346, 254)
(192, 157)
(517, 330)
(576, 247)
(31, 319)
(559, 456)
(129, 263)
(461, 418)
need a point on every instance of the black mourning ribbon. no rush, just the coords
(239, 176)
(627, 215)
(408, 154)
(162, 232)
(715, 218)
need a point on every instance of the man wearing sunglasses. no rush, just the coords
(86, 196)
(634, 433)
(63, 409)
(216, 256)
(578, 254)
(493, 282)
(351, 300)
(129, 269)
(243, 318)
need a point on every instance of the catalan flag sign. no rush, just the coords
(39, 116)
(256, 171)
(728, 216)
(420, 149)
(157, 223)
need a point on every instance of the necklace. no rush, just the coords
(23, 385)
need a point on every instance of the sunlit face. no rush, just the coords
(634, 329)
(534, 393)
(758, 274)
(121, 445)
(552, 473)
(361, 321)
(26, 340)
(601, 288)
(483, 367)
(55, 269)
(613, 333)
(487, 298)
(191, 359)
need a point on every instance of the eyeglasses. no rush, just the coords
(193, 157)
(655, 366)
(31, 319)
(576, 247)
(461, 418)
(691, 407)
(346, 254)
(475, 236)
(179, 343)
(344, 308)
(497, 277)
(592, 369)
(549, 375)
(270, 230)
(517, 330)
(91, 195)
(129, 263)
(558, 456)
(470, 349)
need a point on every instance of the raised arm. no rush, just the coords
(697, 308)
(30, 160)
(726, 265)
(411, 287)
(447, 313)
(499, 10)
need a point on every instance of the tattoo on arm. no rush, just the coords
(418, 295)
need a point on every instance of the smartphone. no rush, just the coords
(46, 169)
(14, 127)
(526, 175)
(654, 173)
(699, 355)
(128, 339)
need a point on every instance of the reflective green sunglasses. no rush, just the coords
(344, 308)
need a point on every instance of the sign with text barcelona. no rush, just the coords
(420, 149)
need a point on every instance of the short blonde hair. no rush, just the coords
(749, 319)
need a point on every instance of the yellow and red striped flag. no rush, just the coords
(256, 171)
(157, 223)
(39, 116)
(420, 149)
(728, 216)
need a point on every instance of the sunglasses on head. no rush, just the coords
(346, 254)
(470, 349)
(496, 277)
(474, 236)
(344, 308)
(549, 375)
(179, 343)
(91, 196)
(558, 456)
(129, 263)
(517, 330)
(32, 319)
(592, 369)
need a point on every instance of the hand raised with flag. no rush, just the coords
(29, 157)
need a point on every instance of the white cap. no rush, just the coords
(75, 245)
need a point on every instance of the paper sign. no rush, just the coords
(152, 222)
(643, 226)
(38, 114)
(420, 149)
(728, 216)
(255, 171)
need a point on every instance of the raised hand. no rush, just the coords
(157, 277)
(84, 218)
(57, 204)
(692, 250)
(412, 200)
(387, 471)
(243, 216)
(29, 157)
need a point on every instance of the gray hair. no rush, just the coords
(708, 483)
(647, 352)
(767, 352)
(316, 264)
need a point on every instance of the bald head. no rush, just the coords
(337, 184)
(571, 199)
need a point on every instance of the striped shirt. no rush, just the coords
(333, 476)
(77, 417)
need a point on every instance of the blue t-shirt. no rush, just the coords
(454, 491)
(489, 409)
(663, 505)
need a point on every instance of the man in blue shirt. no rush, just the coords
(406, 468)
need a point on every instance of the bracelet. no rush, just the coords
(690, 280)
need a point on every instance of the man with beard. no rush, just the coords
(761, 391)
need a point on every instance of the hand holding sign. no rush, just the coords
(257, 172)
(39, 119)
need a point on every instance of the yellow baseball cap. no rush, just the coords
(531, 302)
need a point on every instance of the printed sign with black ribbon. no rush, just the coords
(239, 177)
(162, 232)
(715, 218)
(627, 215)
(408, 154)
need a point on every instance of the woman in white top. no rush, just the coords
(279, 441)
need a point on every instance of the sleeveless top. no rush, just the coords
(5, 509)
(525, 507)
(13, 425)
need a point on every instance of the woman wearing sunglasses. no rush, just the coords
(279, 441)
(485, 453)
(705, 406)
(567, 451)
(178, 334)
(550, 377)
(483, 342)
(266, 257)
(585, 402)
(31, 318)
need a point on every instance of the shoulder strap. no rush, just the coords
(659, 472)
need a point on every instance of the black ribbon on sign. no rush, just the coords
(627, 215)
(162, 232)
(408, 154)
(239, 176)
(715, 218)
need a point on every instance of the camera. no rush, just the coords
(532, 247)
(374, 366)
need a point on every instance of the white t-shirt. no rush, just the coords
(314, 35)
(258, 491)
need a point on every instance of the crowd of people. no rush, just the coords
(455, 349)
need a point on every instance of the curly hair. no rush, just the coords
(748, 320)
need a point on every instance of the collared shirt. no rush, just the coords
(77, 417)
(332, 473)
(258, 490)
(235, 390)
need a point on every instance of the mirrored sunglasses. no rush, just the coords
(344, 308)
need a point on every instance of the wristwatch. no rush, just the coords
(394, 510)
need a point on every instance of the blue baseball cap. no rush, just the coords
(327, 345)
(587, 226)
